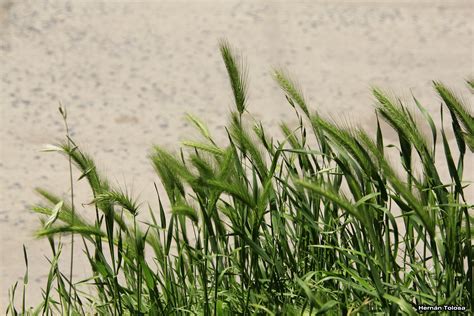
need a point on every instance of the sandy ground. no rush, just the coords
(129, 71)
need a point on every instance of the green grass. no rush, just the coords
(277, 227)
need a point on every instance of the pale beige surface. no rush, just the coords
(128, 72)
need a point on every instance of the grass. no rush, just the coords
(277, 227)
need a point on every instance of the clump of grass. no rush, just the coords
(266, 226)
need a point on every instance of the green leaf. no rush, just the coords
(187, 211)
(404, 305)
(54, 214)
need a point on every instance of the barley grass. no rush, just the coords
(277, 227)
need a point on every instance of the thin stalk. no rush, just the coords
(63, 112)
